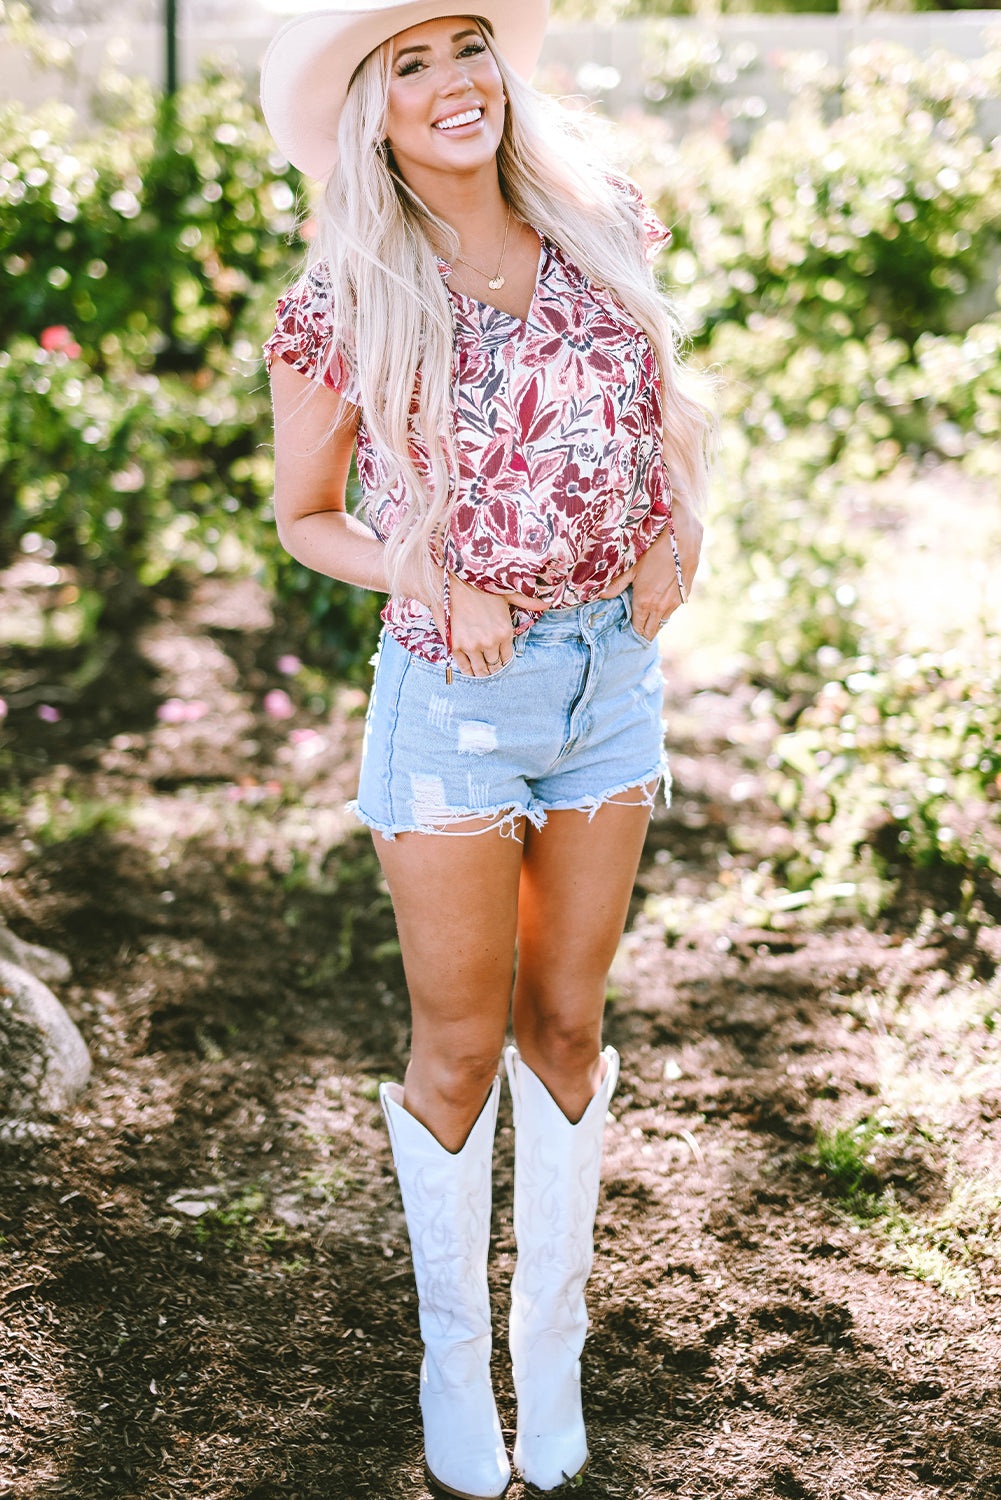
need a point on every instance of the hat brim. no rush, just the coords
(311, 61)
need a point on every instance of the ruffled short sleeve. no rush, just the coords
(656, 233)
(303, 336)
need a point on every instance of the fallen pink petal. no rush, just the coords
(48, 714)
(278, 704)
(182, 711)
(173, 711)
(289, 665)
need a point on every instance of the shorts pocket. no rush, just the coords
(627, 622)
(438, 668)
(640, 640)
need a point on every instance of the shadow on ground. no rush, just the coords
(204, 1271)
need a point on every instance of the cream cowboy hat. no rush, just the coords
(307, 68)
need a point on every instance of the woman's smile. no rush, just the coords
(471, 116)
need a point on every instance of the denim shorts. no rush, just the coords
(571, 721)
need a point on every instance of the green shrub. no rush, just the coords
(132, 473)
(339, 623)
(957, 382)
(823, 266)
(874, 205)
(144, 257)
(152, 227)
(898, 762)
(82, 463)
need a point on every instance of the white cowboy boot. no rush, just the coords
(446, 1198)
(557, 1167)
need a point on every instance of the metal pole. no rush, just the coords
(170, 27)
(167, 133)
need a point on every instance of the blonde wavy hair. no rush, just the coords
(392, 312)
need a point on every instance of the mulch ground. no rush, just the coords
(205, 1281)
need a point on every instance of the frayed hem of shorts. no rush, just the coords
(593, 805)
(504, 819)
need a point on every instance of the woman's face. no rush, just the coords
(446, 99)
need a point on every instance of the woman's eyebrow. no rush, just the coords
(471, 31)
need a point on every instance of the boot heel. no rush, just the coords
(438, 1489)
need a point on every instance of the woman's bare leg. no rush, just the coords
(456, 904)
(576, 879)
(577, 875)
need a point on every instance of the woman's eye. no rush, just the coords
(416, 64)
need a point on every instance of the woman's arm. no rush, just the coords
(314, 439)
(315, 432)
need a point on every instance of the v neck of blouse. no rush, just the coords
(544, 253)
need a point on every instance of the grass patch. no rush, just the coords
(369, 1088)
(846, 1157)
(329, 1185)
(956, 1247)
(234, 1218)
(938, 1057)
(57, 817)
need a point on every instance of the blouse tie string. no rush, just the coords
(446, 594)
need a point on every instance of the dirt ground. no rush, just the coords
(205, 1281)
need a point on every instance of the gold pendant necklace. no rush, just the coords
(496, 281)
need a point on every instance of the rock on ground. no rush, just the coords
(44, 1062)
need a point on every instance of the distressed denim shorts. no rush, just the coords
(571, 721)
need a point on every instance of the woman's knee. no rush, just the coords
(459, 1077)
(565, 1046)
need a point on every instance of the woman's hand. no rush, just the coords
(482, 630)
(654, 578)
(482, 627)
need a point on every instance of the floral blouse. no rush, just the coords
(561, 481)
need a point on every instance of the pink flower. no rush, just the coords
(3, 709)
(58, 337)
(289, 665)
(179, 711)
(278, 704)
(252, 792)
(48, 714)
(307, 742)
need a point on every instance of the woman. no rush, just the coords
(480, 323)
